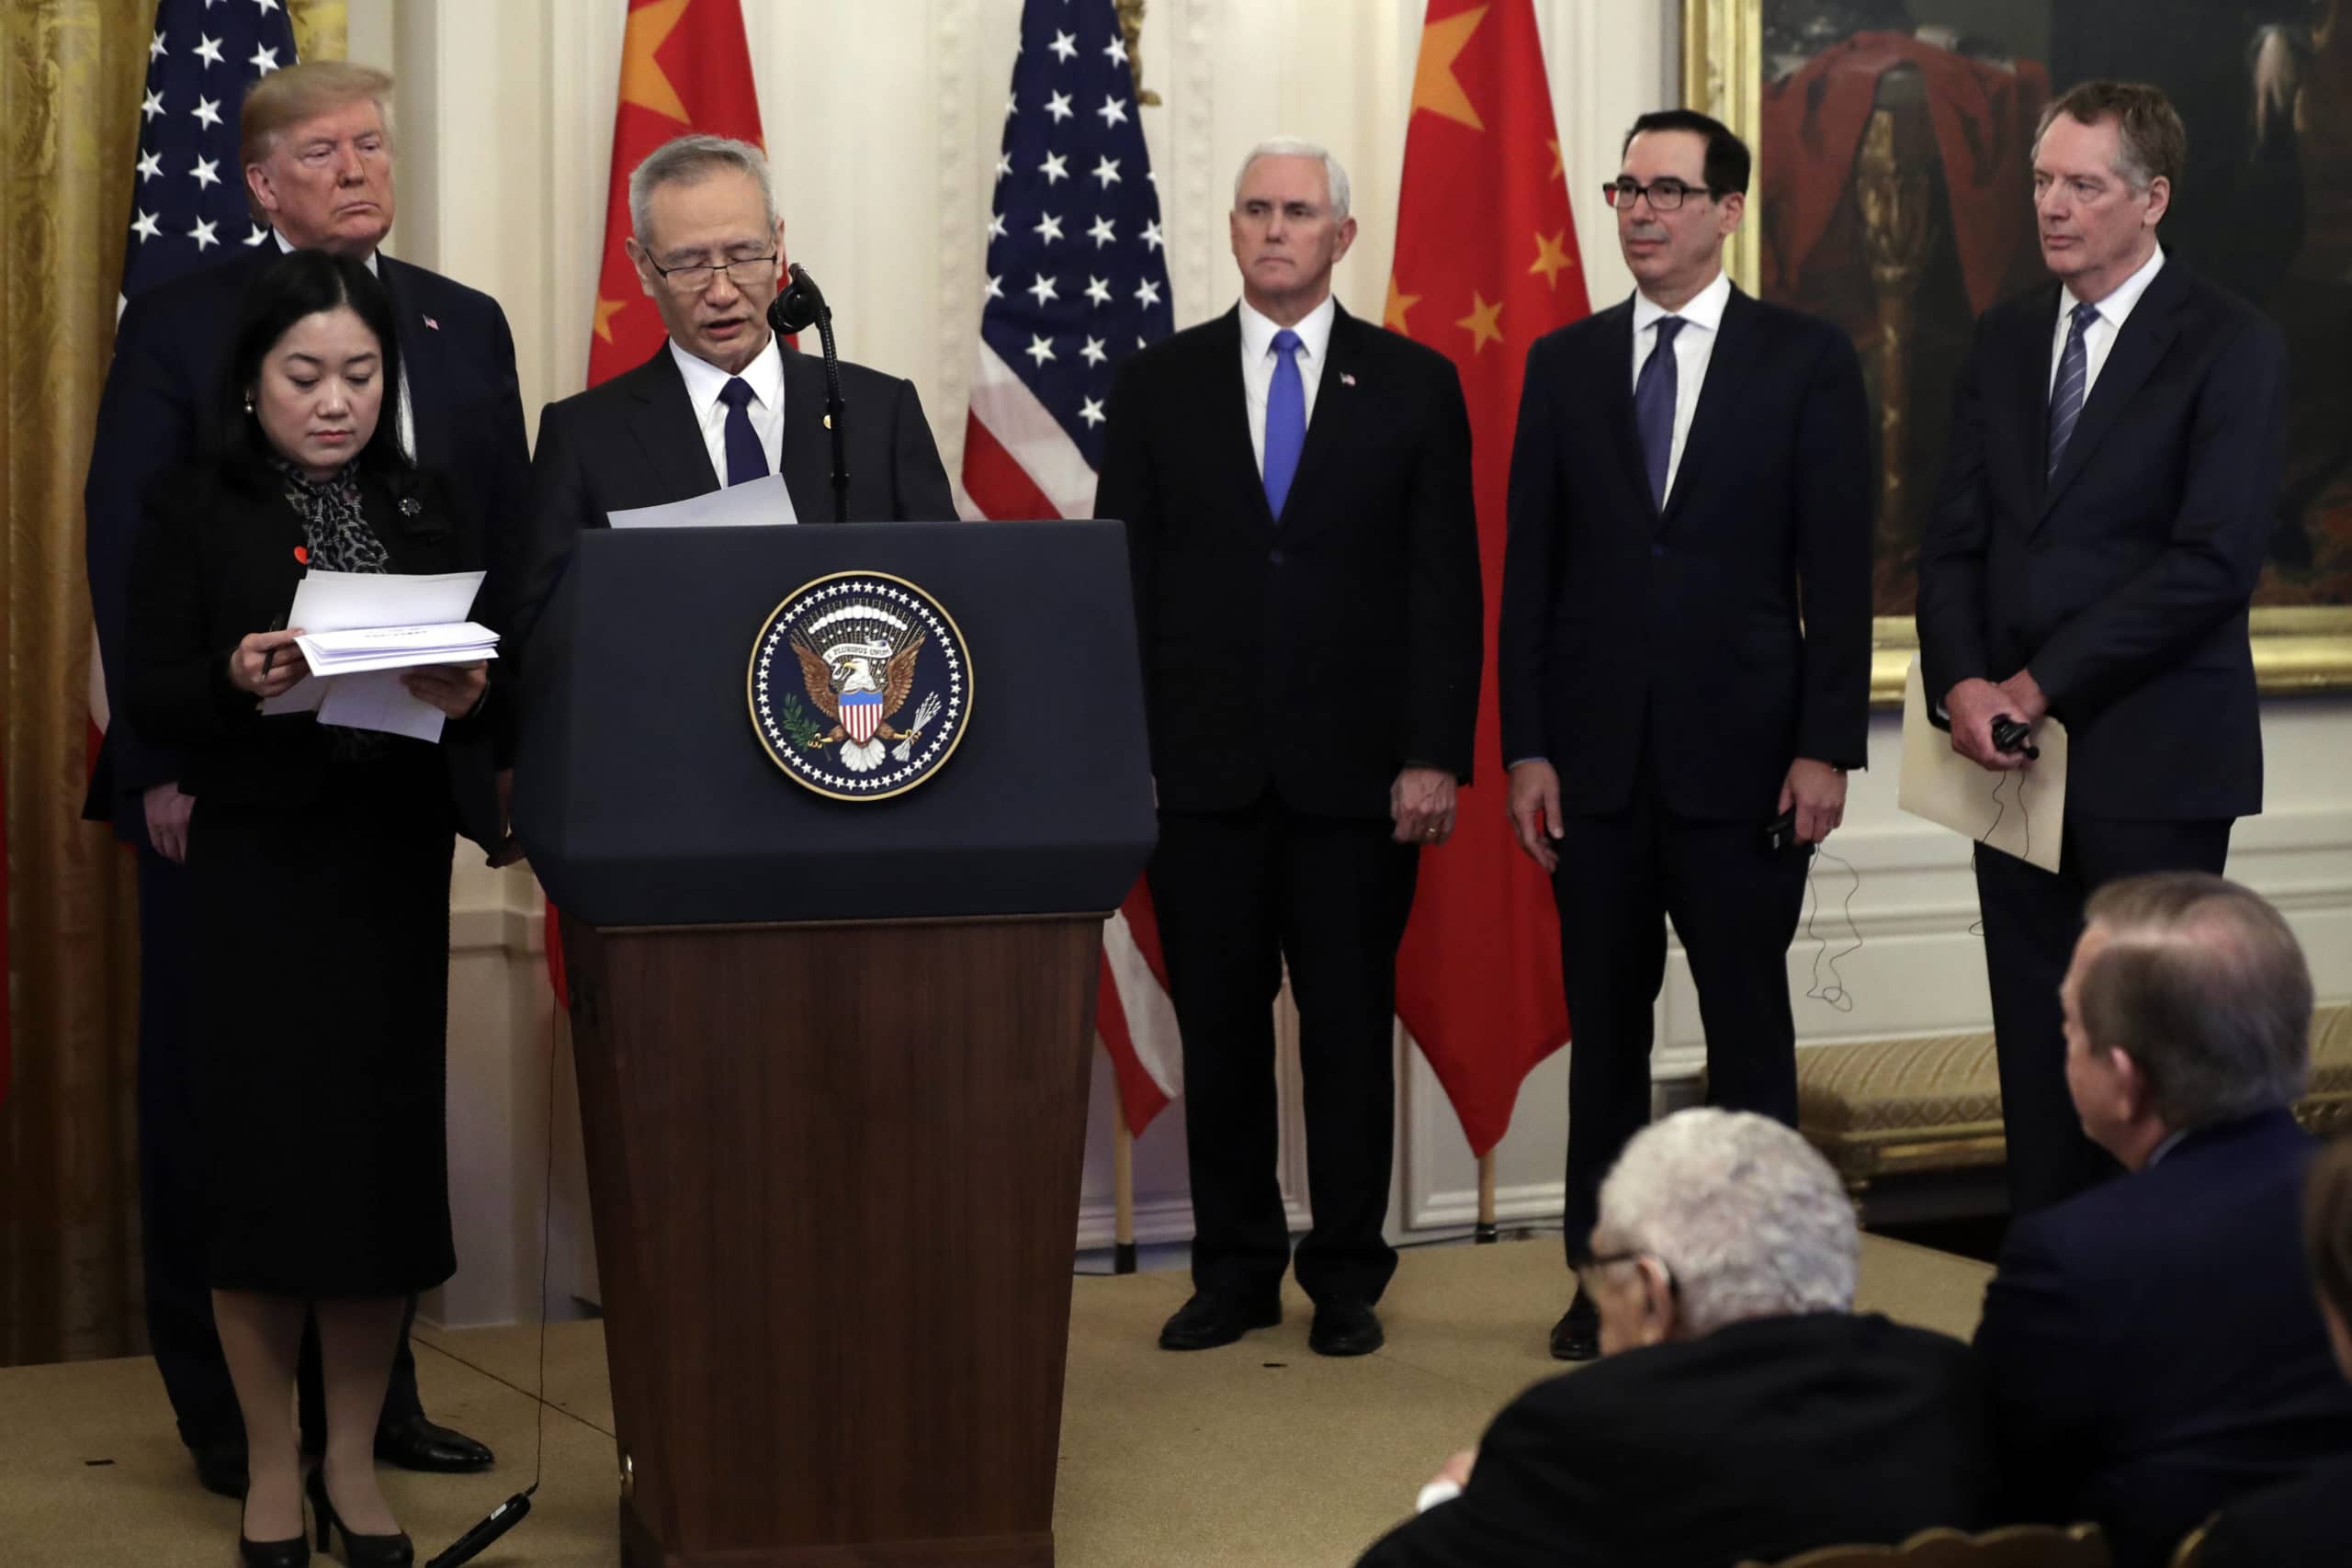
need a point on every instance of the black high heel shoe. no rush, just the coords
(395, 1550)
(292, 1552)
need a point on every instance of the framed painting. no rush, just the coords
(1893, 196)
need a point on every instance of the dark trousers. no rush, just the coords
(1734, 905)
(1237, 894)
(2031, 920)
(173, 1225)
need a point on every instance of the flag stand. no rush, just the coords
(1122, 1185)
(1485, 1231)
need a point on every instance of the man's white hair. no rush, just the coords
(1335, 177)
(1749, 1219)
(685, 159)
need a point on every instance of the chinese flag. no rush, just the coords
(1485, 264)
(684, 67)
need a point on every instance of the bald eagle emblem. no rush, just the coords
(859, 685)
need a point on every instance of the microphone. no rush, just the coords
(503, 1518)
(800, 305)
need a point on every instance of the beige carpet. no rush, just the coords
(1261, 1453)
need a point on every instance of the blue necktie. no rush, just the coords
(746, 459)
(2073, 376)
(1286, 421)
(1653, 393)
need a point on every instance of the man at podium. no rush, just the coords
(722, 401)
(1305, 564)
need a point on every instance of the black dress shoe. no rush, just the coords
(221, 1467)
(394, 1550)
(1345, 1328)
(414, 1443)
(292, 1552)
(1207, 1321)
(1576, 1337)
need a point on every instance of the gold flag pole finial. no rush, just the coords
(1131, 30)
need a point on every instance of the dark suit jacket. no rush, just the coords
(2154, 1346)
(1734, 628)
(215, 561)
(2304, 1524)
(1762, 1440)
(171, 350)
(2122, 582)
(1323, 652)
(634, 442)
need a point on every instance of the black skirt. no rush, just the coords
(325, 991)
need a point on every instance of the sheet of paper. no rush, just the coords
(2021, 813)
(377, 700)
(333, 654)
(359, 601)
(753, 504)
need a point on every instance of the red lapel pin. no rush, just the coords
(302, 554)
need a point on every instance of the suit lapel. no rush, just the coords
(663, 419)
(1728, 368)
(1335, 399)
(1229, 439)
(423, 366)
(1617, 391)
(2141, 344)
(807, 460)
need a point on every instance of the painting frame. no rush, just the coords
(2296, 649)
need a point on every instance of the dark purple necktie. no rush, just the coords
(1654, 391)
(746, 459)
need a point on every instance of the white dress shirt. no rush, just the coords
(405, 410)
(704, 381)
(1694, 345)
(1258, 358)
(2099, 338)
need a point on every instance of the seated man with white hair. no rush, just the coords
(1740, 1409)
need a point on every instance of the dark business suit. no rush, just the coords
(2303, 1524)
(1658, 662)
(2154, 1346)
(634, 441)
(2122, 585)
(1292, 667)
(1758, 1441)
(159, 409)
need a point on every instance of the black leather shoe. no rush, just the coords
(1206, 1320)
(1345, 1328)
(414, 1443)
(221, 1467)
(394, 1550)
(292, 1552)
(1576, 1337)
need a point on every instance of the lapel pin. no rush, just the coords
(434, 325)
(411, 506)
(302, 554)
(1347, 379)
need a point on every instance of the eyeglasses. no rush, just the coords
(1665, 195)
(1588, 1271)
(695, 278)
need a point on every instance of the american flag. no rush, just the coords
(1077, 281)
(189, 209)
(1077, 269)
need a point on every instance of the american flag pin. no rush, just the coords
(1347, 379)
(434, 325)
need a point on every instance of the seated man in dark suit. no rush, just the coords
(723, 401)
(1740, 1408)
(2306, 1523)
(2152, 1348)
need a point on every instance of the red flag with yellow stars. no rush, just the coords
(684, 67)
(1485, 264)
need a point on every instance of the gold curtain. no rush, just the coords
(70, 77)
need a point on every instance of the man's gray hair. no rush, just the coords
(2202, 983)
(1335, 177)
(688, 160)
(1747, 1217)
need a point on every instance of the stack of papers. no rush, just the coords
(361, 629)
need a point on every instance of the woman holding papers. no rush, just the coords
(319, 857)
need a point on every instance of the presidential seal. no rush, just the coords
(860, 685)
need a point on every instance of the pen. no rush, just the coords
(277, 624)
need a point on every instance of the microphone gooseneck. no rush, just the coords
(801, 305)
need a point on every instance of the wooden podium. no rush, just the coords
(834, 1108)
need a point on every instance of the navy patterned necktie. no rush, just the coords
(1654, 394)
(746, 459)
(2074, 379)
